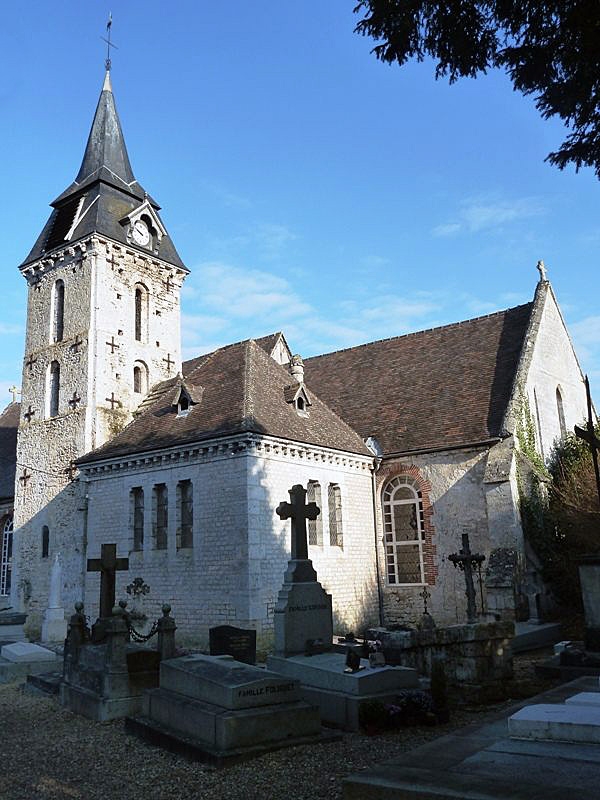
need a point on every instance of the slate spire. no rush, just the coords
(104, 193)
(105, 156)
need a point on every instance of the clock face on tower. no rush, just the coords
(140, 233)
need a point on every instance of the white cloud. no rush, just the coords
(485, 214)
(587, 331)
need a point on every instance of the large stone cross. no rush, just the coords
(589, 435)
(107, 565)
(299, 511)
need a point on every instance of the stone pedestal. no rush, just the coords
(220, 710)
(54, 625)
(303, 611)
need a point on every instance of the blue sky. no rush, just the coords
(308, 187)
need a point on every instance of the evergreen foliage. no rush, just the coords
(550, 50)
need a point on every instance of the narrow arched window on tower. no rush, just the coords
(140, 378)
(561, 413)
(58, 311)
(53, 389)
(45, 541)
(138, 314)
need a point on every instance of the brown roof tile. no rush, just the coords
(243, 390)
(429, 390)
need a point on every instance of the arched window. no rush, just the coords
(336, 533)
(561, 413)
(45, 541)
(315, 526)
(53, 388)
(141, 312)
(140, 378)
(6, 531)
(58, 311)
(403, 526)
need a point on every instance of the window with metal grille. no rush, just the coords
(45, 541)
(53, 389)
(58, 315)
(185, 503)
(6, 556)
(137, 503)
(336, 534)
(403, 526)
(161, 516)
(315, 526)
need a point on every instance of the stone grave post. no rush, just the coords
(166, 634)
(54, 626)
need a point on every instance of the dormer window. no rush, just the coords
(186, 397)
(297, 396)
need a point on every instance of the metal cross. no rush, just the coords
(75, 400)
(113, 401)
(113, 263)
(29, 414)
(108, 42)
(425, 595)
(113, 345)
(14, 391)
(589, 435)
(465, 560)
(77, 344)
(25, 477)
(30, 362)
(299, 511)
(168, 284)
(107, 565)
(168, 362)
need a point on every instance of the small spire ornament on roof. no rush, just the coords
(541, 267)
(109, 44)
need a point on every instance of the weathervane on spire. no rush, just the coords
(109, 44)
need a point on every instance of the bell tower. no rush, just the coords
(103, 327)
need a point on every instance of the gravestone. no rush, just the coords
(54, 625)
(217, 709)
(20, 659)
(240, 643)
(107, 565)
(303, 615)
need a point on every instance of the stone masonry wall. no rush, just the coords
(453, 489)
(234, 570)
(96, 355)
(348, 572)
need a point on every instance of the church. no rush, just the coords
(405, 444)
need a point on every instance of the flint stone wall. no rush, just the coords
(477, 655)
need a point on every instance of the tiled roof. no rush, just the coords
(9, 422)
(429, 390)
(243, 390)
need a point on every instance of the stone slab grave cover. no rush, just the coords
(237, 642)
(26, 652)
(555, 722)
(217, 709)
(303, 615)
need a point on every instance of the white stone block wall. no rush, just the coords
(348, 573)
(235, 568)
(553, 364)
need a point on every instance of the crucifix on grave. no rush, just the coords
(589, 435)
(465, 560)
(107, 565)
(298, 511)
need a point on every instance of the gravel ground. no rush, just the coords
(49, 753)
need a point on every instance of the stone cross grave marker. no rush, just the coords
(466, 560)
(107, 565)
(298, 511)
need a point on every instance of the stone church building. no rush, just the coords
(404, 444)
